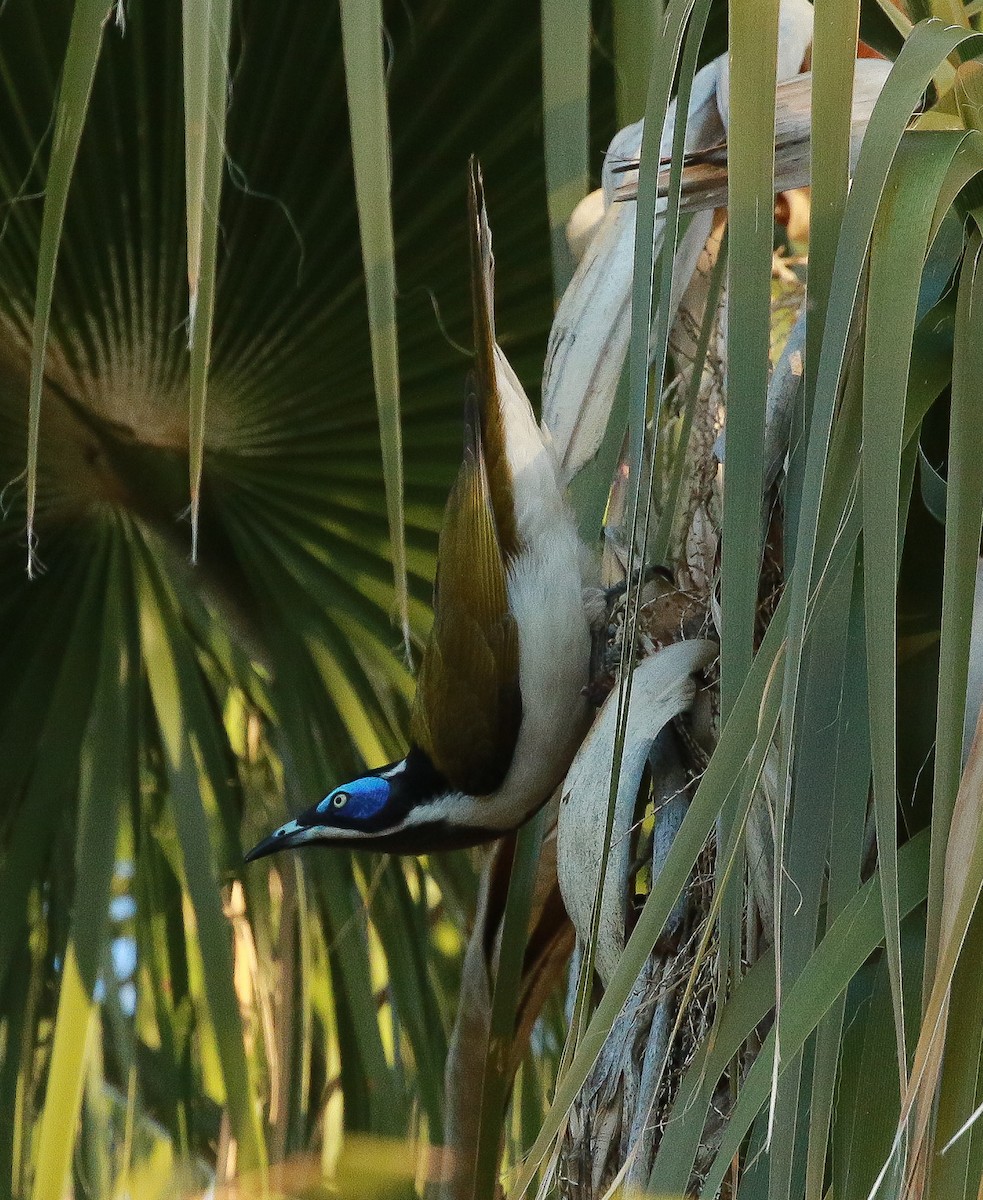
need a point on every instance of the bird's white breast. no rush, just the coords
(546, 588)
(546, 597)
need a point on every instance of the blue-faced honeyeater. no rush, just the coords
(500, 704)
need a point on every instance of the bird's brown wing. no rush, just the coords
(468, 708)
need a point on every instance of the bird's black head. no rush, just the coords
(371, 813)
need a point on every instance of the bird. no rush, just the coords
(500, 705)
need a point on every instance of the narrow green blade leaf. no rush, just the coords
(964, 517)
(893, 295)
(845, 859)
(105, 779)
(928, 45)
(206, 26)
(63, 723)
(900, 244)
(803, 866)
(403, 925)
(956, 1167)
(851, 939)
(81, 57)
(753, 57)
(362, 33)
(566, 109)
(834, 52)
(750, 196)
(173, 689)
(636, 24)
(865, 1118)
(66, 1076)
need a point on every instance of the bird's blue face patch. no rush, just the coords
(358, 800)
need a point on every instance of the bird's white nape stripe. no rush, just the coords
(453, 807)
(398, 769)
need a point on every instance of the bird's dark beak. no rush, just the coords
(284, 838)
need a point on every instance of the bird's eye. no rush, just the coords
(340, 799)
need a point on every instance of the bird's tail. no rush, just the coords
(484, 384)
(482, 275)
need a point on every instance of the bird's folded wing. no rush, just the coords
(468, 707)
